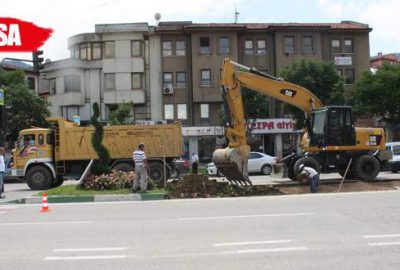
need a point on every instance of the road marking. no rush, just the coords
(72, 258)
(45, 223)
(90, 249)
(248, 216)
(244, 251)
(250, 243)
(384, 244)
(381, 235)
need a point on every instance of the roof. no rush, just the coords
(389, 56)
(181, 26)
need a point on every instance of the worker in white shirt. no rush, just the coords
(2, 170)
(141, 167)
(195, 162)
(309, 174)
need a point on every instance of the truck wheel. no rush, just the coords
(58, 182)
(307, 161)
(123, 167)
(366, 168)
(157, 173)
(38, 178)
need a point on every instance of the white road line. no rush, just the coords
(243, 251)
(384, 244)
(75, 258)
(90, 249)
(381, 235)
(250, 243)
(45, 223)
(248, 216)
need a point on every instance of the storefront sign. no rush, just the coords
(343, 61)
(265, 126)
(203, 131)
(150, 122)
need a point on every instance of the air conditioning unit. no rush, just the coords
(168, 90)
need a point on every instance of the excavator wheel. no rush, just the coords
(366, 168)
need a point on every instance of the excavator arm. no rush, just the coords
(232, 161)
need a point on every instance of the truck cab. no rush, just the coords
(34, 148)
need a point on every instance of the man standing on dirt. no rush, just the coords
(309, 174)
(195, 163)
(140, 160)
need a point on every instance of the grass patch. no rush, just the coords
(70, 190)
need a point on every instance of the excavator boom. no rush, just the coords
(232, 161)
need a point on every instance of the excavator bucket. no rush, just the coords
(232, 162)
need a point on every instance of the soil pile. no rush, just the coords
(200, 186)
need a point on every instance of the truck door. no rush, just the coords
(26, 149)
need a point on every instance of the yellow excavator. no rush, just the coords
(331, 142)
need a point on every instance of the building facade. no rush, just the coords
(172, 71)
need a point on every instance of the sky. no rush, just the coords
(69, 18)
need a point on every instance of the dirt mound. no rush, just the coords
(194, 186)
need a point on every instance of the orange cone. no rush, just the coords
(45, 206)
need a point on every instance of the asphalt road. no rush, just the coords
(313, 231)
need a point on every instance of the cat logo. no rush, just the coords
(288, 92)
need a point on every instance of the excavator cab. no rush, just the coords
(333, 126)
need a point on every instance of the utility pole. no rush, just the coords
(236, 16)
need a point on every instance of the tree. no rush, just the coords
(379, 93)
(320, 78)
(122, 115)
(102, 165)
(24, 108)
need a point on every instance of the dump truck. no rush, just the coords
(331, 142)
(45, 157)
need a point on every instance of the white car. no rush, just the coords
(257, 163)
(395, 161)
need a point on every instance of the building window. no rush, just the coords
(248, 47)
(182, 111)
(204, 111)
(180, 49)
(169, 111)
(181, 79)
(205, 77)
(109, 49)
(72, 83)
(261, 47)
(339, 72)
(136, 48)
(289, 44)
(308, 44)
(204, 45)
(52, 86)
(83, 51)
(223, 45)
(167, 48)
(139, 112)
(76, 52)
(96, 51)
(109, 79)
(167, 79)
(31, 83)
(137, 80)
(336, 45)
(348, 45)
(349, 76)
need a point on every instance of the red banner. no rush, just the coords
(21, 36)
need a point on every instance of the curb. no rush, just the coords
(92, 198)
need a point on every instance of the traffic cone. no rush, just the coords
(45, 206)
